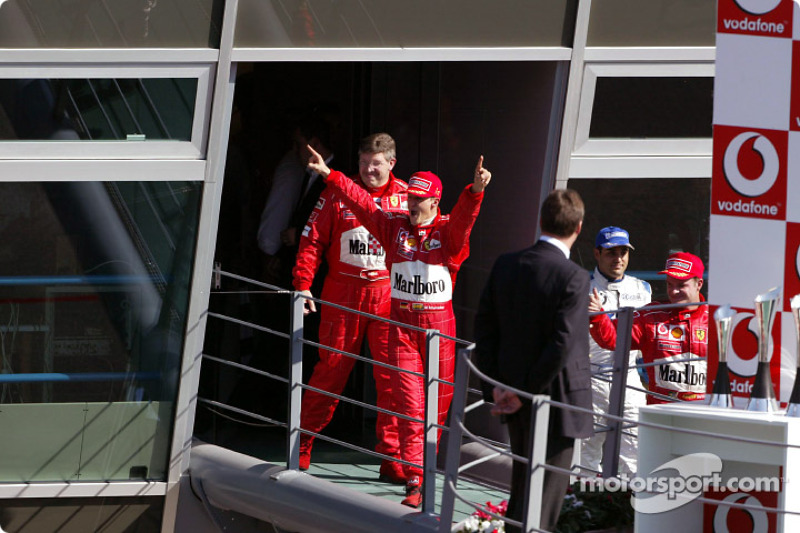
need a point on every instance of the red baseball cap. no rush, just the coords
(683, 265)
(425, 185)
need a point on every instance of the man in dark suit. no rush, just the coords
(292, 198)
(314, 132)
(531, 335)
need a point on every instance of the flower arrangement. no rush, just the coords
(588, 510)
(482, 522)
(582, 511)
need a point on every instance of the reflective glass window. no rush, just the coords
(110, 24)
(80, 515)
(653, 23)
(652, 107)
(97, 109)
(410, 23)
(93, 299)
(661, 215)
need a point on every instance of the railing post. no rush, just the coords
(454, 439)
(295, 378)
(537, 455)
(616, 398)
(431, 418)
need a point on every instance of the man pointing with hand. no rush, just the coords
(358, 279)
(424, 251)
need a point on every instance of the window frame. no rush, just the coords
(633, 158)
(586, 146)
(83, 64)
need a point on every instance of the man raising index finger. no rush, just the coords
(424, 251)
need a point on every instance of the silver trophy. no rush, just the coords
(793, 409)
(721, 394)
(762, 397)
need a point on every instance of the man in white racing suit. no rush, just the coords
(616, 289)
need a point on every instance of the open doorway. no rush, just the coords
(443, 115)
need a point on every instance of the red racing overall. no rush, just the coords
(663, 337)
(423, 262)
(357, 278)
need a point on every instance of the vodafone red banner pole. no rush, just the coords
(755, 214)
(755, 191)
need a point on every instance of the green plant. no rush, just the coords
(587, 510)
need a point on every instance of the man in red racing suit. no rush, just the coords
(669, 335)
(357, 279)
(424, 251)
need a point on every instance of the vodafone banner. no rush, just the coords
(755, 189)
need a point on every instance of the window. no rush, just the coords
(645, 109)
(93, 304)
(111, 515)
(99, 112)
(139, 24)
(661, 215)
(406, 24)
(97, 109)
(652, 107)
(652, 23)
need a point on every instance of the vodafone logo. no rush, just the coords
(758, 516)
(749, 178)
(743, 354)
(769, 158)
(756, 17)
(757, 7)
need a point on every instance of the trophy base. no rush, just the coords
(762, 405)
(793, 410)
(721, 400)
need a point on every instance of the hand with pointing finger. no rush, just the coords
(482, 177)
(317, 163)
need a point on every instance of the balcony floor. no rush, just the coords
(352, 470)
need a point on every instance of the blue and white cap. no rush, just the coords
(611, 237)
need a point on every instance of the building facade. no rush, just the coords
(138, 144)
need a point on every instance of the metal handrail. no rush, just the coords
(617, 423)
(296, 385)
(464, 366)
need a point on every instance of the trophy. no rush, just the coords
(762, 398)
(793, 409)
(721, 394)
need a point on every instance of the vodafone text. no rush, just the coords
(747, 207)
(747, 24)
(741, 386)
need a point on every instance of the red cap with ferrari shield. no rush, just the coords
(425, 185)
(683, 265)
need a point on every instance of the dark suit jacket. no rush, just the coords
(532, 330)
(298, 221)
